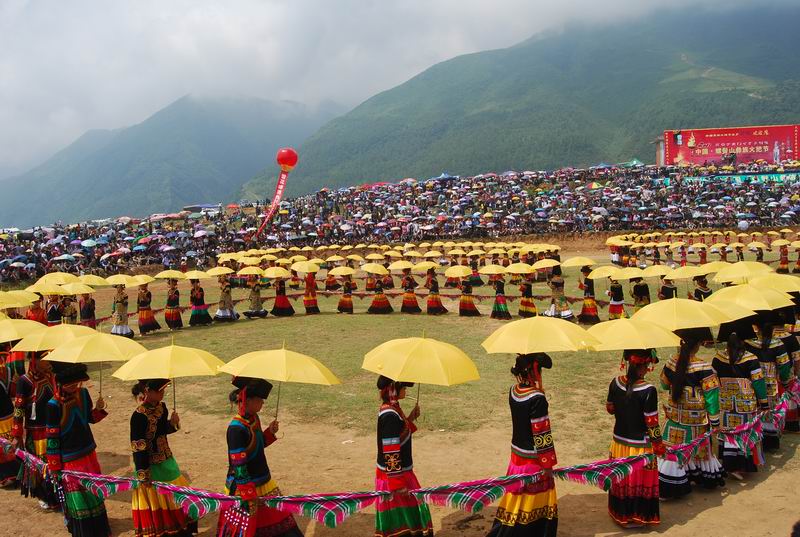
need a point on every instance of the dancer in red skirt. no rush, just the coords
(527, 307)
(172, 312)
(310, 295)
(633, 502)
(147, 321)
(434, 302)
(346, 301)
(466, 304)
(408, 283)
(500, 307)
(588, 313)
(380, 304)
(370, 283)
(282, 306)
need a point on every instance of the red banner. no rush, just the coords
(771, 143)
(276, 201)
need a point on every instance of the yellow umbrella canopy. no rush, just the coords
(58, 278)
(456, 251)
(282, 365)
(680, 313)
(423, 267)
(16, 329)
(375, 268)
(170, 362)
(21, 294)
(685, 273)
(401, 265)
(334, 259)
(50, 338)
(305, 267)
(545, 263)
(46, 289)
(603, 272)
(714, 266)
(375, 257)
(519, 268)
(342, 271)
(578, 261)
(492, 270)
(142, 279)
(355, 257)
(429, 255)
(170, 275)
(622, 334)
(457, 271)
(732, 310)
(741, 272)
(421, 359)
(656, 271)
(778, 282)
(392, 253)
(122, 279)
(77, 289)
(196, 275)
(251, 271)
(96, 347)
(628, 273)
(756, 244)
(219, 271)
(277, 272)
(538, 334)
(753, 297)
(778, 243)
(94, 281)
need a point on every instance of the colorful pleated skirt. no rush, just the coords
(147, 321)
(401, 515)
(527, 308)
(310, 303)
(500, 308)
(434, 305)
(380, 304)
(84, 512)
(617, 311)
(532, 511)
(266, 522)
(9, 464)
(634, 500)
(282, 307)
(704, 469)
(783, 267)
(451, 283)
(200, 315)
(157, 515)
(226, 315)
(588, 314)
(32, 482)
(172, 316)
(345, 304)
(467, 307)
(410, 304)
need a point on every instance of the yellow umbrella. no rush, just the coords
(412, 253)
(16, 329)
(355, 257)
(538, 334)
(392, 253)
(170, 362)
(305, 267)
(250, 271)
(684, 273)
(628, 273)
(49, 339)
(603, 272)
(375, 257)
(143, 279)
(680, 313)
(423, 267)
(342, 271)
(475, 253)
(122, 279)
(170, 275)
(296, 258)
(755, 244)
(77, 289)
(731, 310)
(23, 295)
(544, 264)
(656, 271)
(753, 297)
(401, 265)
(519, 268)
(421, 359)
(58, 278)
(622, 334)
(196, 275)
(458, 271)
(778, 282)
(578, 261)
(742, 271)
(46, 289)
(492, 270)
(94, 281)
(714, 266)
(456, 251)
(219, 271)
(277, 272)
(375, 268)
(778, 243)
(334, 259)
(429, 255)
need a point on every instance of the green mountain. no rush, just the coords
(576, 98)
(196, 150)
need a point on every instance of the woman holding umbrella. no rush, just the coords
(147, 321)
(248, 472)
(119, 317)
(410, 304)
(172, 311)
(691, 411)
(527, 306)
(197, 298)
(533, 511)
(87, 311)
(310, 295)
(345, 304)
(588, 313)
(400, 514)
(9, 464)
(380, 304)
(434, 304)
(155, 514)
(282, 307)
(256, 305)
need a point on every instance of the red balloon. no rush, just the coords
(287, 158)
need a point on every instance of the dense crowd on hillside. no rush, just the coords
(602, 198)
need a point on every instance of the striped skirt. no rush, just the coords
(310, 302)
(32, 482)
(588, 313)
(466, 307)
(500, 308)
(9, 464)
(200, 315)
(157, 515)
(410, 304)
(147, 321)
(634, 500)
(380, 304)
(434, 305)
(401, 515)
(172, 316)
(617, 311)
(345, 304)
(533, 511)
(266, 522)
(84, 512)
(527, 308)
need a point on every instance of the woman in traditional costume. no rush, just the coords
(400, 514)
(500, 306)
(527, 306)
(226, 312)
(475, 278)
(87, 307)
(69, 313)
(703, 256)
(282, 307)
(410, 304)
(345, 304)
(667, 290)
(370, 283)
(172, 311)
(742, 394)
(387, 282)
(532, 511)
(295, 281)
(783, 260)
(796, 268)
(256, 304)
(701, 291)
(53, 310)
(434, 304)
(616, 304)
(691, 411)
(36, 312)
(197, 298)
(466, 304)
(380, 304)
(588, 313)
(71, 446)
(154, 514)
(787, 333)
(559, 306)
(331, 283)
(249, 475)
(633, 501)
(9, 464)
(640, 293)
(119, 313)
(34, 391)
(147, 321)
(310, 295)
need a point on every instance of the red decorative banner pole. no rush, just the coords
(287, 160)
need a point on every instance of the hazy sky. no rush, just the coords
(67, 66)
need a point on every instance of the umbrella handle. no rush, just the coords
(101, 379)
(278, 405)
(174, 397)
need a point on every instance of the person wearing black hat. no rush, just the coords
(256, 304)
(633, 501)
(559, 306)
(466, 304)
(588, 314)
(616, 303)
(155, 514)
(226, 311)
(400, 514)
(248, 473)
(33, 392)
(408, 283)
(281, 307)
(701, 291)
(667, 290)
(691, 411)
(533, 511)
(71, 446)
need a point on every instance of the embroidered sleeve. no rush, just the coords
(785, 369)
(759, 385)
(710, 385)
(651, 416)
(542, 435)
(53, 435)
(20, 399)
(140, 445)
(391, 435)
(238, 440)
